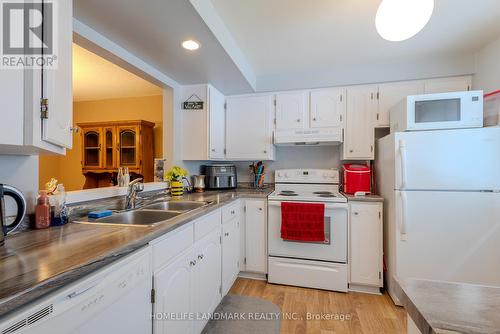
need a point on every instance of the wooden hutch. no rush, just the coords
(106, 146)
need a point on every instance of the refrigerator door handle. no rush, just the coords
(402, 163)
(402, 218)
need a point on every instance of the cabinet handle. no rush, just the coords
(351, 151)
(356, 213)
(200, 257)
(74, 129)
(298, 120)
(372, 96)
(226, 234)
(213, 150)
(314, 119)
(232, 212)
(377, 116)
(371, 147)
(192, 263)
(265, 152)
(260, 209)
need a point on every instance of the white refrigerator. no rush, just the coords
(442, 205)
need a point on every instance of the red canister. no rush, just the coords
(356, 177)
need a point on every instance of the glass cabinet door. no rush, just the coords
(110, 148)
(92, 148)
(128, 146)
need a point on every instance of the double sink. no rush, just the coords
(149, 215)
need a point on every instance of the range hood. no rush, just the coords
(310, 136)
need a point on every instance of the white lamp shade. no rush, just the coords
(397, 20)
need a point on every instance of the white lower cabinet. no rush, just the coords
(256, 236)
(189, 287)
(230, 253)
(366, 246)
(174, 295)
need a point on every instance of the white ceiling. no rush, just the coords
(286, 36)
(95, 78)
(288, 44)
(153, 31)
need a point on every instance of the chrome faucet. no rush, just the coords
(134, 187)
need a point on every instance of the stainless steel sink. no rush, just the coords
(176, 205)
(135, 218)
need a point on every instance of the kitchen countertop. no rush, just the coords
(37, 262)
(441, 307)
(366, 198)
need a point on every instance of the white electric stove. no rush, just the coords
(321, 265)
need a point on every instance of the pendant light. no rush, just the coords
(397, 20)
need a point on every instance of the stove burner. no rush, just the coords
(288, 194)
(327, 195)
(322, 193)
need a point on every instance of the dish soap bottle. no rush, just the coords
(42, 211)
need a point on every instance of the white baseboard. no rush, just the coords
(249, 275)
(374, 290)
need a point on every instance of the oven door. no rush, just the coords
(333, 249)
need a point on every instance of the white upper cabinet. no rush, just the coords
(391, 94)
(203, 130)
(25, 131)
(359, 132)
(292, 110)
(452, 84)
(328, 107)
(216, 115)
(249, 127)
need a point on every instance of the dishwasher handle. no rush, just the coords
(83, 290)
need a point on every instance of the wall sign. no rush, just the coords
(193, 103)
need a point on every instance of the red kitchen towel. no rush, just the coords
(302, 221)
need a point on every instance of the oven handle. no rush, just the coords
(327, 206)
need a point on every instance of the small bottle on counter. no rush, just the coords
(42, 211)
(60, 215)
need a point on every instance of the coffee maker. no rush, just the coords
(16, 204)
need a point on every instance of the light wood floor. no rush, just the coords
(368, 314)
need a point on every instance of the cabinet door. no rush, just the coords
(291, 110)
(217, 124)
(230, 253)
(328, 107)
(110, 149)
(248, 127)
(390, 95)
(359, 132)
(445, 85)
(174, 288)
(208, 276)
(255, 235)
(366, 243)
(129, 146)
(12, 95)
(57, 82)
(92, 148)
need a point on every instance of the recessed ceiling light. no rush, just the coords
(190, 45)
(397, 20)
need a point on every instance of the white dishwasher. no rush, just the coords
(116, 299)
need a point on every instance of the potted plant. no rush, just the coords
(175, 176)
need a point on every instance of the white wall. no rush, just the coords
(487, 75)
(287, 157)
(22, 173)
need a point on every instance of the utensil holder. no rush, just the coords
(176, 188)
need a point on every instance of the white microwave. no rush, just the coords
(455, 110)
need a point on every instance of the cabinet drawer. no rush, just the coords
(171, 245)
(230, 211)
(206, 224)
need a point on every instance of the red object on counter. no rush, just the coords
(303, 221)
(356, 178)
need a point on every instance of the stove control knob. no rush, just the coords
(278, 174)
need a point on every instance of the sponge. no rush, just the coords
(100, 214)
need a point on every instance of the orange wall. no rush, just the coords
(68, 169)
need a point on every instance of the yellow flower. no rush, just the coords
(176, 173)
